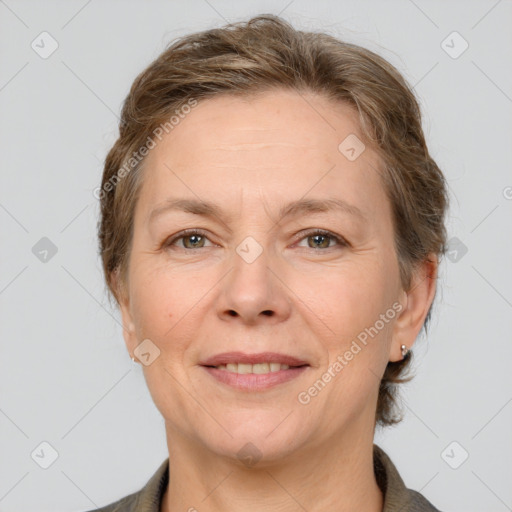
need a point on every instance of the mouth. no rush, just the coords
(263, 362)
(258, 369)
(254, 372)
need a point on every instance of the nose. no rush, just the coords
(255, 289)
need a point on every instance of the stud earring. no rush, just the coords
(405, 350)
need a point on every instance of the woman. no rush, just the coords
(271, 228)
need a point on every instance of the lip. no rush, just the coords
(253, 381)
(261, 357)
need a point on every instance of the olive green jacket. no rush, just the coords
(397, 498)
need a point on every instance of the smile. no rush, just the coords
(245, 377)
(260, 368)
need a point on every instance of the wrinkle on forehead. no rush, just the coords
(258, 145)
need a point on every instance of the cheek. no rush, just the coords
(353, 299)
(166, 304)
(157, 303)
(358, 351)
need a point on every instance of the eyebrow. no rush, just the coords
(293, 209)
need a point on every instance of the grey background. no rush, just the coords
(65, 375)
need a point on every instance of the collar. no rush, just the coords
(396, 495)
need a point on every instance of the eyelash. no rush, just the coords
(189, 232)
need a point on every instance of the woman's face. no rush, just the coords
(254, 281)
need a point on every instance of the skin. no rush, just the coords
(303, 296)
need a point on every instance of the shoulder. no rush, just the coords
(148, 499)
(126, 504)
(418, 503)
(396, 495)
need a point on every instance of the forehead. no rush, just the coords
(276, 144)
(243, 122)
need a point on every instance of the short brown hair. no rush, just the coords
(263, 54)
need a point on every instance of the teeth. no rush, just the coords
(244, 368)
(259, 368)
(275, 367)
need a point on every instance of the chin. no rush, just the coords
(267, 439)
(255, 452)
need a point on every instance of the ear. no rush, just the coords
(123, 300)
(416, 304)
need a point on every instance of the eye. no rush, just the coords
(321, 239)
(196, 238)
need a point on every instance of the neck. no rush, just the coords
(337, 475)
